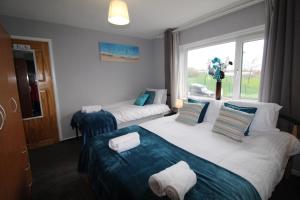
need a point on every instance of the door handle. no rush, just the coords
(15, 102)
(3, 117)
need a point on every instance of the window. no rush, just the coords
(251, 68)
(241, 80)
(200, 83)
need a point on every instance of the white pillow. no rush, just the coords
(213, 108)
(266, 116)
(160, 95)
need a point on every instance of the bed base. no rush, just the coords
(139, 121)
(133, 122)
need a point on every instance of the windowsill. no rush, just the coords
(223, 98)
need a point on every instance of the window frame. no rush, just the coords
(239, 37)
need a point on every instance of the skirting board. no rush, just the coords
(69, 138)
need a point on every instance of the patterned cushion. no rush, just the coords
(251, 110)
(203, 112)
(189, 113)
(232, 123)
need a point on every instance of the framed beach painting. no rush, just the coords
(118, 52)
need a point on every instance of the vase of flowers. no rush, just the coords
(216, 68)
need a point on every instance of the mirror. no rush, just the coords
(26, 73)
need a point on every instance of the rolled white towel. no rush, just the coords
(176, 173)
(91, 108)
(182, 183)
(124, 142)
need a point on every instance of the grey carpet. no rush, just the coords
(55, 176)
(54, 172)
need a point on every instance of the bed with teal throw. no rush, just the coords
(117, 176)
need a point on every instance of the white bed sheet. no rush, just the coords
(127, 111)
(261, 157)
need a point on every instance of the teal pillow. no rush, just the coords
(151, 97)
(250, 110)
(203, 112)
(141, 100)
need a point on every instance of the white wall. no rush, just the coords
(81, 77)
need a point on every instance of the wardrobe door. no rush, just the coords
(15, 173)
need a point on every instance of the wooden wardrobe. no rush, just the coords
(15, 171)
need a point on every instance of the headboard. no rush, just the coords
(295, 122)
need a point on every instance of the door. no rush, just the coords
(15, 173)
(40, 130)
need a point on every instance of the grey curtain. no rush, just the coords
(175, 71)
(169, 61)
(280, 80)
(168, 40)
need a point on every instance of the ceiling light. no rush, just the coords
(118, 13)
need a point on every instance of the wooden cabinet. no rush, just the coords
(15, 172)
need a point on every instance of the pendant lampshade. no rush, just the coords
(118, 13)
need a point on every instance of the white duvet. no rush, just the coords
(127, 111)
(260, 158)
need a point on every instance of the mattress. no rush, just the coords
(127, 111)
(261, 158)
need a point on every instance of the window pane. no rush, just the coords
(200, 83)
(251, 68)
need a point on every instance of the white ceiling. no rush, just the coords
(149, 18)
